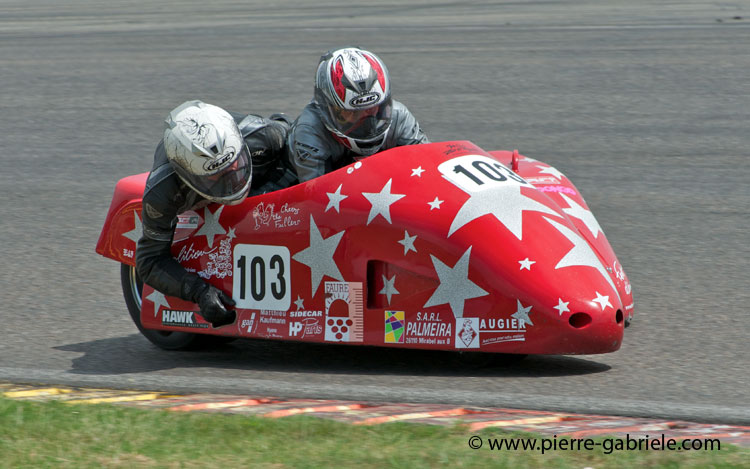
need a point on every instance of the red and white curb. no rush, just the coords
(362, 413)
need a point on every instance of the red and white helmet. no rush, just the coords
(353, 88)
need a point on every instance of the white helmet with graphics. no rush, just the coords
(207, 151)
(354, 90)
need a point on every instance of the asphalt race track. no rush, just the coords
(645, 107)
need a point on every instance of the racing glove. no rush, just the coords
(212, 302)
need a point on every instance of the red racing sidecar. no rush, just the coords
(438, 246)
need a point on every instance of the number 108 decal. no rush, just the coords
(261, 277)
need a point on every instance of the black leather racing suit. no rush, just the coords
(166, 196)
(314, 151)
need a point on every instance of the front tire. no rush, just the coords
(132, 288)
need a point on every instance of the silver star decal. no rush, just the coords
(580, 254)
(231, 234)
(211, 226)
(522, 314)
(319, 256)
(435, 204)
(455, 287)
(551, 171)
(507, 204)
(603, 300)
(300, 303)
(159, 300)
(136, 233)
(526, 264)
(417, 172)
(408, 242)
(334, 199)
(388, 288)
(582, 214)
(381, 202)
(562, 306)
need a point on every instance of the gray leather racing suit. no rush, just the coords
(166, 196)
(314, 151)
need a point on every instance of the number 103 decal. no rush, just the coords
(474, 173)
(261, 277)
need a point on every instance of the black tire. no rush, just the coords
(132, 287)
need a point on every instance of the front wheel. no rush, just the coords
(132, 288)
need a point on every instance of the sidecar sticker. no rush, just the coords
(562, 306)
(266, 215)
(493, 189)
(388, 288)
(319, 256)
(261, 277)
(334, 199)
(219, 263)
(580, 254)
(408, 242)
(526, 264)
(582, 214)
(435, 203)
(381, 202)
(455, 287)
(497, 330)
(550, 170)
(159, 300)
(181, 319)
(417, 172)
(394, 327)
(467, 334)
(423, 329)
(344, 321)
(211, 226)
(136, 233)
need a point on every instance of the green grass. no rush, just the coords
(55, 434)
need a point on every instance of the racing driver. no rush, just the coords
(351, 116)
(207, 155)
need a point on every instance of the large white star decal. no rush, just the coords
(522, 314)
(136, 233)
(388, 288)
(551, 171)
(582, 214)
(211, 226)
(580, 254)
(507, 204)
(408, 242)
(159, 300)
(319, 256)
(455, 287)
(334, 199)
(381, 202)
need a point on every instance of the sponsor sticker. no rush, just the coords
(176, 318)
(394, 327)
(344, 313)
(467, 334)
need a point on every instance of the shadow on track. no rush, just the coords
(133, 354)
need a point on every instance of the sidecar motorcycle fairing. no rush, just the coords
(437, 246)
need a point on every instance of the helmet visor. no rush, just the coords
(226, 185)
(362, 124)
